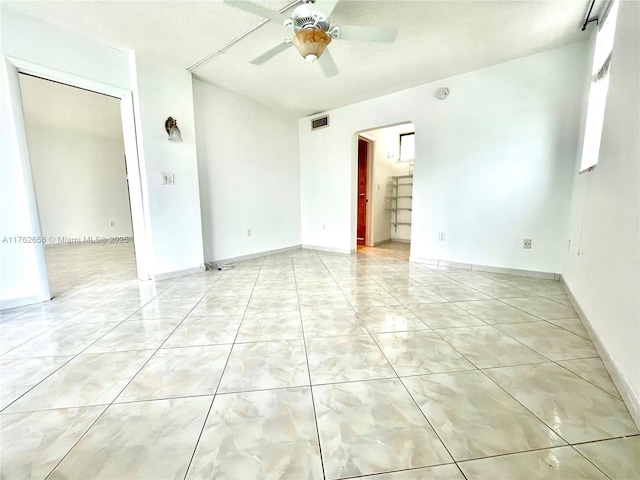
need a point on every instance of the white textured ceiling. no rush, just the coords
(436, 39)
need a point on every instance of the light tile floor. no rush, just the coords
(304, 365)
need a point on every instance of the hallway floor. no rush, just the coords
(305, 365)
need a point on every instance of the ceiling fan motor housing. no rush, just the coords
(305, 17)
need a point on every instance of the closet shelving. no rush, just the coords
(400, 200)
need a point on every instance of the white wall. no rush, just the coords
(249, 174)
(80, 182)
(494, 163)
(161, 91)
(602, 268)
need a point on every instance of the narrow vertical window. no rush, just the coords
(598, 90)
(407, 147)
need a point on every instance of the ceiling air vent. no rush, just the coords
(320, 122)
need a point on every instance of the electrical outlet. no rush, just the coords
(526, 243)
(112, 223)
(442, 236)
(324, 226)
(249, 233)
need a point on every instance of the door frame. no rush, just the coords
(368, 235)
(135, 172)
(362, 133)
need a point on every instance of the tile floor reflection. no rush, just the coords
(304, 365)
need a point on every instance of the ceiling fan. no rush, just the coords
(313, 31)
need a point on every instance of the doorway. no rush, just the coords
(363, 162)
(78, 168)
(384, 186)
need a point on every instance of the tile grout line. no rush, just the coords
(73, 357)
(550, 360)
(206, 418)
(449, 372)
(385, 262)
(306, 354)
(479, 369)
(525, 407)
(534, 350)
(412, 399)
(121, 390)
(589, 460)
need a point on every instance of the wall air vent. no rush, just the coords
(320, 122)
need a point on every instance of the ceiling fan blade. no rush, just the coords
(256, 10)
(329, 67)
(269, 54)
(326, 7)
(367, 34)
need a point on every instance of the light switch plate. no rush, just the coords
(167, 179)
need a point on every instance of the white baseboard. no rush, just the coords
(176, 273)
(625, 390)
(329, 249)
(256, 255)
(21, 302)
(487, 269)
(282, 250)
(535, 274)
(462, 266)
(426, 261)
(381, 242)
(401, 240)
(434, 262)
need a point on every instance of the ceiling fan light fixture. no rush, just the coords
(310, 43)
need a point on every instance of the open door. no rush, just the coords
(363, 156)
